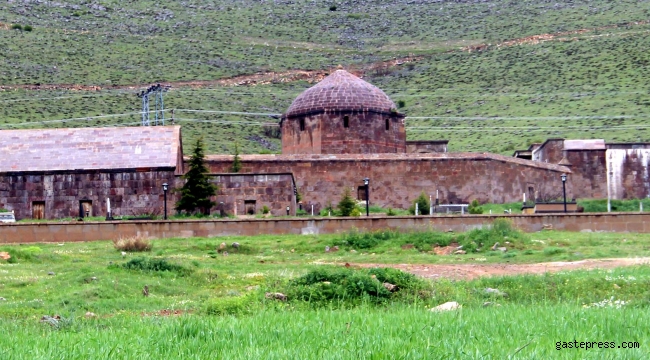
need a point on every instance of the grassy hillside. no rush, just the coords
(589, 81)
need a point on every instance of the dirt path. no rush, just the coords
(473, 271)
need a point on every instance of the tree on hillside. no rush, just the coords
(236, 162)
(196, 193)
(347, 204)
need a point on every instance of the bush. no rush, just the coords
(28, 28)
(265, 210)
(16, 27)
(500, 231)
(475, 208)
(356, 240)
(236, 305)
(355, 212)
(332, 7)
(390, 212)
(347, 204)
(423, 205)
(133, 244)
(401, 104)
(352, 286)
(155, 265)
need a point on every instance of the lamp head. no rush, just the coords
(563, 177)
(165, 186)
(366, 181)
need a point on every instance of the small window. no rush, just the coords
(387, 124)
(346, 122)
(302, 124)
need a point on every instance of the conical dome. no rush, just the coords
(341, 91)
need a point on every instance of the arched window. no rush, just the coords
(387, 124)
(302, 124)
(346, 122)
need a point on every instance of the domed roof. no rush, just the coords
(341, 91)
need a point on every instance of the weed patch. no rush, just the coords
(133, 244)
(155, 265)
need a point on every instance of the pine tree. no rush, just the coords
(197, 190)
(236, 162)
(347, 204)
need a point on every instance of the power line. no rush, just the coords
(229, 112)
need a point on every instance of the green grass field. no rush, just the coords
(587, 83)
(202, 304)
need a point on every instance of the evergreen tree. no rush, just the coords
(347, 203)
(423, 205)
(197, 190)
(236, 162)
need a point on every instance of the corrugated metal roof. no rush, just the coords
(596, 144)
(89, 148)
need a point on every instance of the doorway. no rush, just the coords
(38, 210)
(87, 207)
(249, 205)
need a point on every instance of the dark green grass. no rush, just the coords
(405, 332)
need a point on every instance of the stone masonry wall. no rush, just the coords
(130, 192)
(91, 231)
(396, 180)
(272, 190)
(325, 133)
(421, 147)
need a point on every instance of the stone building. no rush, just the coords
(51, 173)
(334, 135)
(343, 115)
(599, 169)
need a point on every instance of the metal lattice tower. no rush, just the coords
(159, 106)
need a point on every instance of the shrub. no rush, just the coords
(265, 210)
(28, 28)
(423, 205)
(236, 161)
(16, 27)
(29, 253)
(347, 204)
(155, 265)
(332, 7)
(352, 286)
(133, 244)
(355, 212)
(401, 104)
(236, 305)
(552, 250)
(500, 231)
(390, 212)
(475, 208)
(356, 240)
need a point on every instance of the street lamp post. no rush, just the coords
(288, 209)
(165, 187)
(564, 189)
(366, 182)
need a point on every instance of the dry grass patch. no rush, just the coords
(133, 244)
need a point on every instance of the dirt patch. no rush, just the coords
(473, 271)
(166, 312)
(445, 250)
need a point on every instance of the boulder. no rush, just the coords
(235, 245)
(448, 306)
(276, 296)
(390, 287)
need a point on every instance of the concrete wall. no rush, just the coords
(325, 133)
(89, 231)
(397, 179)
(132, 192)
